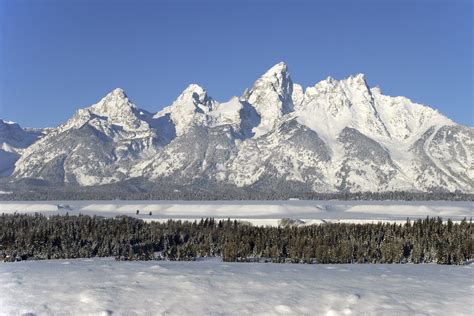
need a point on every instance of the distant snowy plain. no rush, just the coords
(107, 287)
(255, 212)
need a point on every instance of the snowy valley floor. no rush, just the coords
(104, 286)
(256, 212)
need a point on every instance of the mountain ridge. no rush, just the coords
(336, 136)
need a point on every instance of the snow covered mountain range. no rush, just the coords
(334, 136)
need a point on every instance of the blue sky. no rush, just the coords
(58, 56)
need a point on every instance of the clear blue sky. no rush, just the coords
(58, 56)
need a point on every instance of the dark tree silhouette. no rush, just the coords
(26, 237)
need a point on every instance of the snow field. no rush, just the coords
(255, 212)
(106, 287)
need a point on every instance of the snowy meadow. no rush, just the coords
(108, 287)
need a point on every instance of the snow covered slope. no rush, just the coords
(13, 140)
(95, 146)
(210, 287)
(338, 135)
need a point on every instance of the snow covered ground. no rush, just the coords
(256, 212)
(104, 286)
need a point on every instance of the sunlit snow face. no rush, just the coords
(336, 135)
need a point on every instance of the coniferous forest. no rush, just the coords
(34, 237)
(143, 190)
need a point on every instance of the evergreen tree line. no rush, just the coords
(26, 237)
(96, 193)
(145, 190)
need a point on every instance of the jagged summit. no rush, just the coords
(357, 81)
(337, 135)
(359, 78)
(278, 76)
(194, 93)
(279, 68)
(189, 109)
(119, 92)
(113, 101)
(271, 96)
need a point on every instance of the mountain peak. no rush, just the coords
(276, 79)
(194, 88)
(116, 100)
(115, 108)
(358, 79)
(279, 68)
(334, 136)
(359, 76)
(8, 127)
(191, 107)
(117, 93)
(271, 96)
(5, 122)
(196, 93)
